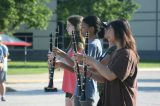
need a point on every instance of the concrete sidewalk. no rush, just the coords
(58, 76)
(149, 69)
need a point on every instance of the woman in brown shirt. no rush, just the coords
(118, 70)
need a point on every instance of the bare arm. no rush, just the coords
(101, 68)
(65, 66)
(104, 70)
(64, 55)
(97, 77)
(69, 68)
(92, 73)
(69, 60)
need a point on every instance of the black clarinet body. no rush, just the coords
(77, 65)
(83, 95)
(51, 69)
(51, 87)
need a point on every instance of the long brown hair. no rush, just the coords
(76, 21)
(124, 35)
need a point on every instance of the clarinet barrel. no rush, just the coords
(83, 96)
(77, 65)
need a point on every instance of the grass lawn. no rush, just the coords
(149, 64)
(15, 67)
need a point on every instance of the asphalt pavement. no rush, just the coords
(28, 90)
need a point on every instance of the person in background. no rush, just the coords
(3, 75)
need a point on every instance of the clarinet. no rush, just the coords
(77, 66)
(50, 87)
(83, 96)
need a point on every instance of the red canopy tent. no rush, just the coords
(12, 41)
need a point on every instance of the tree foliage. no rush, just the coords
(107, 10)
(32, 13)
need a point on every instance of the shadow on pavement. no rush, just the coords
(149, 80)
(149, 89)
(34, 92)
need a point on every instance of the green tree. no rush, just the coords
(32, 13)
(107, 10)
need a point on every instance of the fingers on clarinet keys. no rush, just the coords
(81, 71)
(84, 58)
(51, 55)
(78, 57)
(75, 68)
(55, 49)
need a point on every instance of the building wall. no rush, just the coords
(145, 26)
(146, 29)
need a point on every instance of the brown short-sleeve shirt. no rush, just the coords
(122, 91)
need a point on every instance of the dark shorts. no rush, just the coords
(2, 76)
(68, 95)
(88, 102)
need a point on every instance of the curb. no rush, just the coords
(149, 69)
(14, 81)
(34, 78)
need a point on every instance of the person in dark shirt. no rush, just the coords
(119, 70)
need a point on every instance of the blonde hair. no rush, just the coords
(76, 21)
